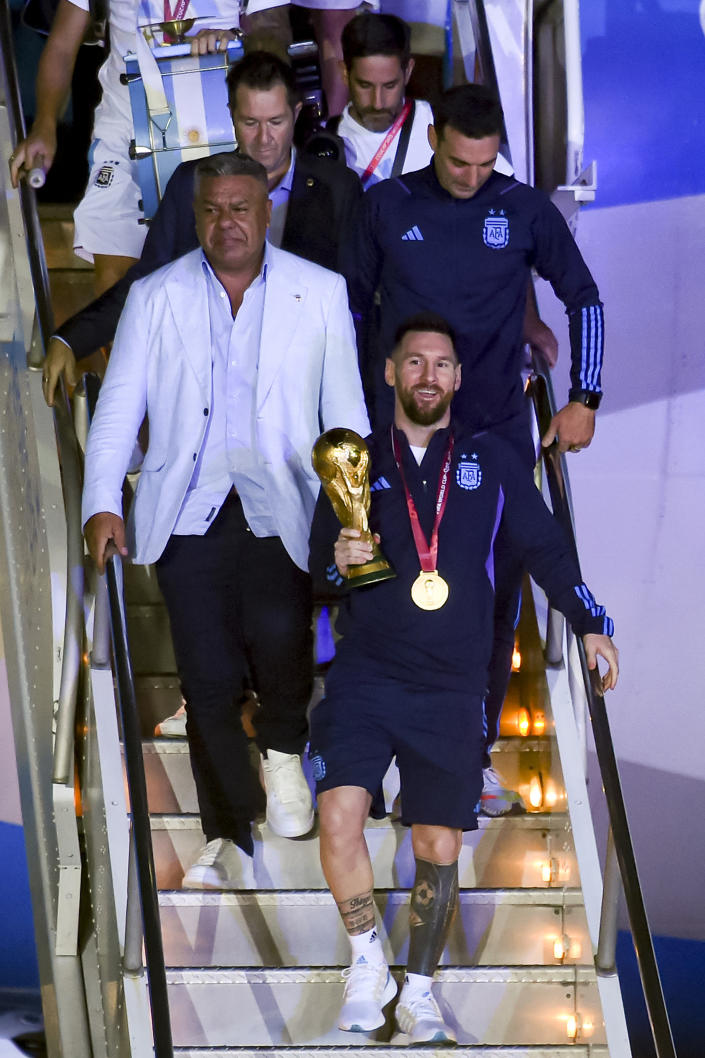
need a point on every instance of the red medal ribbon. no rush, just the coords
(172, 16)
(428, 554)
(386, 142)
(178, 12)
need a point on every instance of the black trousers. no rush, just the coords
(239, 608)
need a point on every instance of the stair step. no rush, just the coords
(380, 1051)
(424, 1051)
(496, 1005)
(170, 785)
(511, 852)
(293, 928)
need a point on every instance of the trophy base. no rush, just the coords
(377, 569)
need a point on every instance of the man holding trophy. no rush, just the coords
(410, 670)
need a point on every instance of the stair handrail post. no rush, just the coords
(605, 957)
(132, 961)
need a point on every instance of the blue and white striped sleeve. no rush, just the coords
(602, 624)
(587, 339)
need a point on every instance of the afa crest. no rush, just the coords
(318, 767)
(105, 177)
(468, 475)
(495, 232)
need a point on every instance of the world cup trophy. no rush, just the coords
(341, 459)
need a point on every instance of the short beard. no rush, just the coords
(428, 416)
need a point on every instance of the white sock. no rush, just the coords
(415, 985)
(367, 945)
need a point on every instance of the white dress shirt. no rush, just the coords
(229, 455)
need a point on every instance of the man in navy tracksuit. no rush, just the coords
(460, 239)
(409, 674)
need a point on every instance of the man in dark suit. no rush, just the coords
(313, 201)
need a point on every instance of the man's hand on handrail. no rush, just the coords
(59, 360)
(604, 647)
(573, 427)
(105, 536)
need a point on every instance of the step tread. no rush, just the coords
(162, 744)
(551, 897)
(568, 974)
(526, 821)
(498, 1005)
(478, 1050)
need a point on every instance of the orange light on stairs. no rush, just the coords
(550, 794)
(539, 723)
(549, 870)
(536, 791)
(523, 722)
(572, 1026)
(561, 947)
(516, 658)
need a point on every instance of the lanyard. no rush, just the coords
(386, 142)
(178, 12)
(428, 554)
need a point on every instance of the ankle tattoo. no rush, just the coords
(358, 913)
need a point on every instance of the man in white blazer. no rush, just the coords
(240, 355)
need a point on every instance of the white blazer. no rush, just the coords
(160, 365)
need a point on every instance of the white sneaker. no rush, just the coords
(174, 726)
(420, 1019)
(497, 799)
(220, 866)
(289, 801)
(369, 986)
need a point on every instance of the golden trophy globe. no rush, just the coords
(341, 459)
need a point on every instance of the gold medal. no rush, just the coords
(429, 591)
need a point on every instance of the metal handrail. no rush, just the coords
(619, 838)
(70, 459)
(141, 854)
(65, 439)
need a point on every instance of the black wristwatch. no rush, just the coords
(585, 396)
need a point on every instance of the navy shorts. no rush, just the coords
(436, 735)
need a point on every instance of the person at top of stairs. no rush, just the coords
(237, 352)
(410, 670)
(109, 227)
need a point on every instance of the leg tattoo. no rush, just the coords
(358, 913)
(434, 899)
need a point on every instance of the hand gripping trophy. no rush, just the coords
(341, 459)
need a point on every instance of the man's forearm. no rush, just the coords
(56, 65)
(587, 336)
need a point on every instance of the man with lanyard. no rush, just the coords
(384, 133)
(460, 239)
(409, 674)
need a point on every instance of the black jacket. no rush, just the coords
(469, 260)
(324, 197)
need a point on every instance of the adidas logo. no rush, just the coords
(413, 235)
(380, 483)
